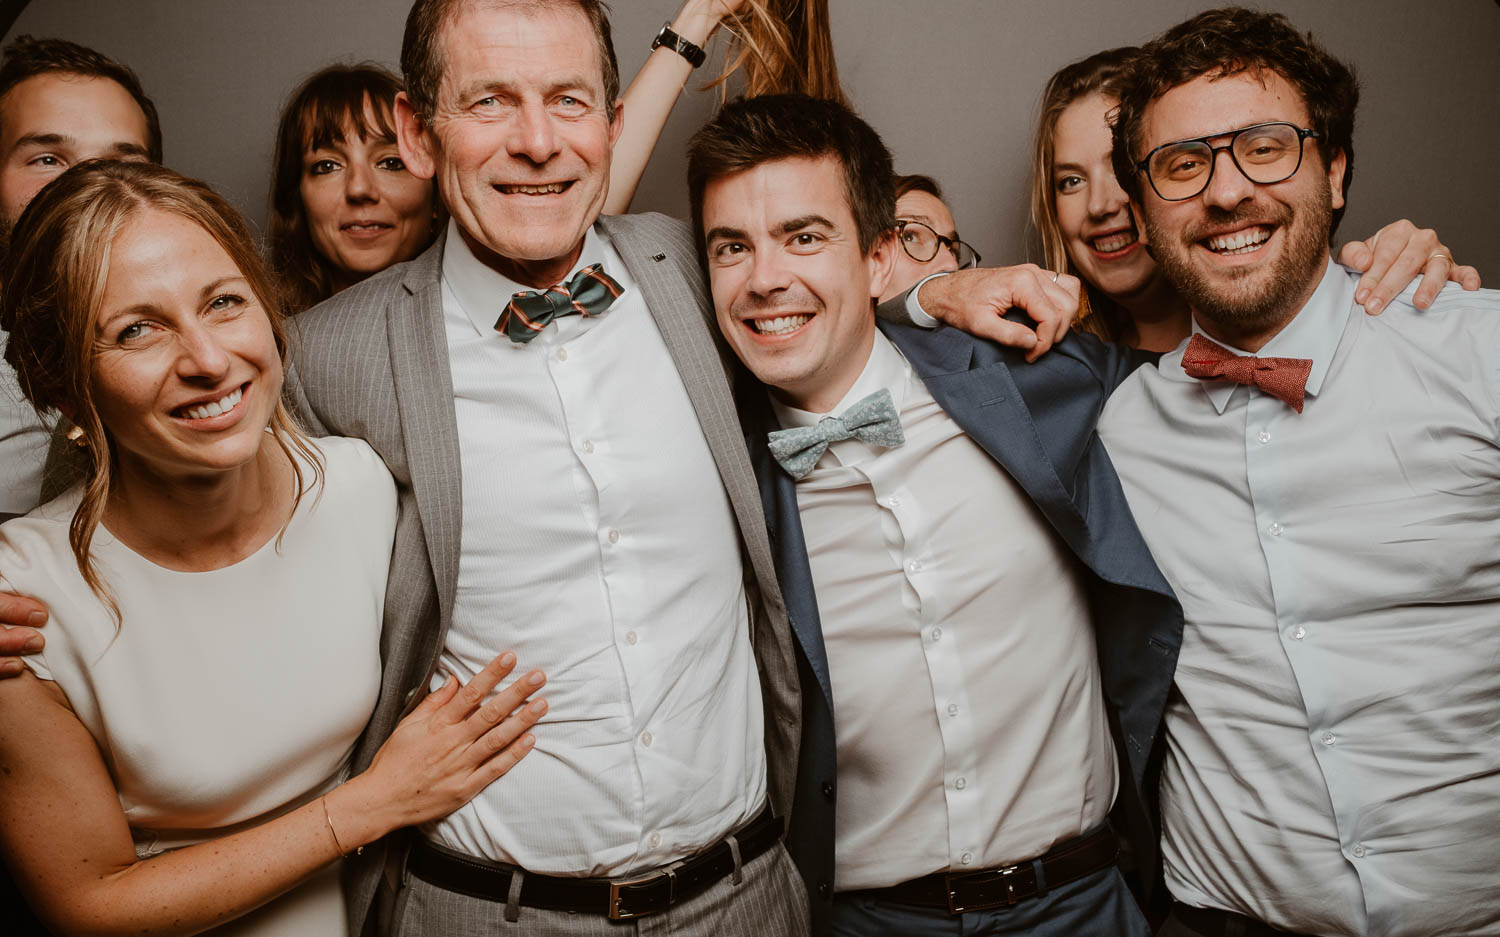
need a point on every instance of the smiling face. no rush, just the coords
(1093, 213)
(792, 289)
(1246, 256)
(520, 141)
(56, 119)
(928, 209)
(364, 210)
(185, 372)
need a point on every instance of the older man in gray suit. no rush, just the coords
(611, 530)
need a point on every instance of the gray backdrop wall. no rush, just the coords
(952, 85)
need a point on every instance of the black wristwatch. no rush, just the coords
(690, 51)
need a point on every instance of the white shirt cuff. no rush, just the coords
(914, 311)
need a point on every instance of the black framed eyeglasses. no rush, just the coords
(1263, 153)
(921, 244)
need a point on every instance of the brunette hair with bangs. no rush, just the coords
(752, 131)
(1233, 41)
(328, 104)
(55, 273)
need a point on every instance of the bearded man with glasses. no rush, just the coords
(1322, 491)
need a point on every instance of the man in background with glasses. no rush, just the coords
(1322, 491)
(927, 234)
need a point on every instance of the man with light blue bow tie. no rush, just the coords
(981, 629)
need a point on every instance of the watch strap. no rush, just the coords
(691, 51)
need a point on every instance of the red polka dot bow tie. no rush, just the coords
(588, 293)
(1282, 378)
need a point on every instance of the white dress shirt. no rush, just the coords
(599, 545)
(23, 443)
(1332, 763)
(968, 713)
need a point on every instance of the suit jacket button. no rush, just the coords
(828, 789)
(824, 890)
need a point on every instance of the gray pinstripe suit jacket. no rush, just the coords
(372, 362)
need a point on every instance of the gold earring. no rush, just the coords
(76, 436)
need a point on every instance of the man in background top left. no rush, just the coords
(60, 104)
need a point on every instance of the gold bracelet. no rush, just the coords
(329, 820)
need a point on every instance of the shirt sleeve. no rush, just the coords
(906, 309)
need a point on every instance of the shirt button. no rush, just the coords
(937, 634)
(952, 709)
(654, 840)
(646, 738)
(588, 445)
(562, 354)
(614, 535)
(631, 637)
(914, 566)
(1263, 437)
(894, 502)
(1275, 529)
(1327, 738)
(1298, 633)
(1358, 850)
(960, 783)
(966, 858)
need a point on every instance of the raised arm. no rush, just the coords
(69, 846)
(1394, 256)
(651, 96)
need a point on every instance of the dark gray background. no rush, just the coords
(951, 84)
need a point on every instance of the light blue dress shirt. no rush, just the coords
(1333, 759)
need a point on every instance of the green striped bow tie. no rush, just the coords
(589, 292)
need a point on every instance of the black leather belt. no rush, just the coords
(618, 899)
(998, 888)
(1212, 922)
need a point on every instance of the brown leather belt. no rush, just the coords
(999, 888)
(618, 899)
(1212, 922)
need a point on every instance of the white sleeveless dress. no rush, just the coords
(229, 697)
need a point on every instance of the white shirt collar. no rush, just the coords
(886, 368)
(1314, 332)
(482, 292)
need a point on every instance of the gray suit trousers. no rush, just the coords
(769, 901)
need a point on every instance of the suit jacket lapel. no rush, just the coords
(429, 422)
(982, 398)
(678, 299)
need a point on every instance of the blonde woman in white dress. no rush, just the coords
(173, 762)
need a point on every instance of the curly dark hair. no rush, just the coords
(1231, 41)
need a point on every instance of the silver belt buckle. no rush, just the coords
(1005, 878)
(617, 914)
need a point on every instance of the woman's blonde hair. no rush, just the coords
(54, 275)
(1099, 314)
(783, 47)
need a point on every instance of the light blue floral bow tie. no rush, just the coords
(873, 419)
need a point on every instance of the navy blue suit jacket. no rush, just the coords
(1037, 422)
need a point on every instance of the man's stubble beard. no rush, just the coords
(1237, 307)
